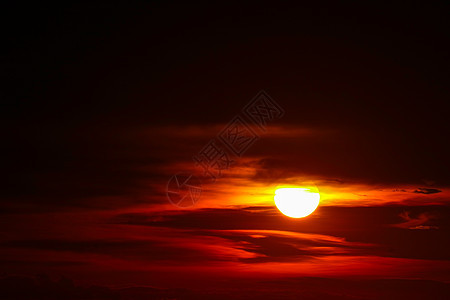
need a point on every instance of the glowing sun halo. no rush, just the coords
(296, 202)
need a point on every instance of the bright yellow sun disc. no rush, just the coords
(296, 202)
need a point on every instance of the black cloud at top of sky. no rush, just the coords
(73, 74)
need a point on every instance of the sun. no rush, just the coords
(297, 202)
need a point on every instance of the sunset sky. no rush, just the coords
(104, 103)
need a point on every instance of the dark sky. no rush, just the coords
(103, 102)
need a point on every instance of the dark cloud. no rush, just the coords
(75, 137)
(267, 246)
(427, 191)
(366, 225)
(287, 246)
(159, 249)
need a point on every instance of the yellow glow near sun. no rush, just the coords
(297, 202)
